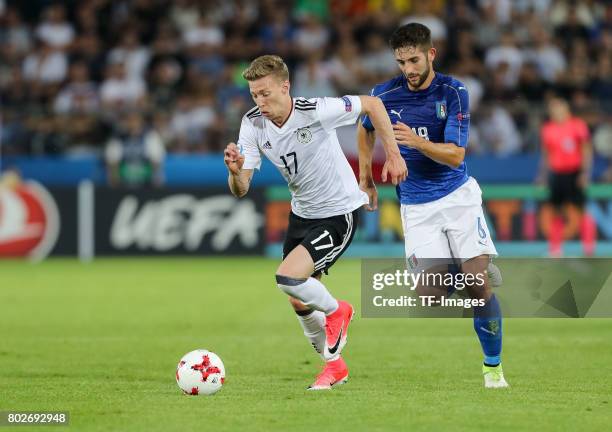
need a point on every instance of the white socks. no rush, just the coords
(314, 329)
(309, 291)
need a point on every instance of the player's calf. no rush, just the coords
(313, 324)
(309, 291)
(487, 318)
(313, 295)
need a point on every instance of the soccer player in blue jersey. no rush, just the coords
(441, 206)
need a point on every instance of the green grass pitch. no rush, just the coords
(102, 341)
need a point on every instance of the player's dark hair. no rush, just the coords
(411, 35)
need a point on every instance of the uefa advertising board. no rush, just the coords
(37, 221)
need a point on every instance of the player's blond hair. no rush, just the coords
(264, 66)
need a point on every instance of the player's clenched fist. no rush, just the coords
(233, 159)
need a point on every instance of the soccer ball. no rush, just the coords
(200, 372)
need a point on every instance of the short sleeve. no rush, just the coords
(457, 116)
(336, 112)
(247, 143)
(366, 122)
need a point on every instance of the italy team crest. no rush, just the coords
(441, 110)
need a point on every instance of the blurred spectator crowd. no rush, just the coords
(73, 73)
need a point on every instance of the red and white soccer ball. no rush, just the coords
(200, 372)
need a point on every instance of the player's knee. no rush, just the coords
(478, 287)
(476, 265)
(289, 285)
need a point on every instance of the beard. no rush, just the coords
(421, 80)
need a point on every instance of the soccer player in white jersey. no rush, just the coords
(441, 205)
(298, 136)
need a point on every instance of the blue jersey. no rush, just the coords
(440, 114)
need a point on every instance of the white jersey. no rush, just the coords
(306, 151)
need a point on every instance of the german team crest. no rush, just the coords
(441, 110)
(304, 136)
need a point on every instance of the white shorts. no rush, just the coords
(452, 227)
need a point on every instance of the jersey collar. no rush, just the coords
(281, 128)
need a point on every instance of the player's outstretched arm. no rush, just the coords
(239, 179)
(395, 165)
(445, 153)
(365, 145)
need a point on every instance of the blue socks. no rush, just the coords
(488, 327)
(487, 324)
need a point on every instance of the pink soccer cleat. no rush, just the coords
(335, 373)
(336, 327)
